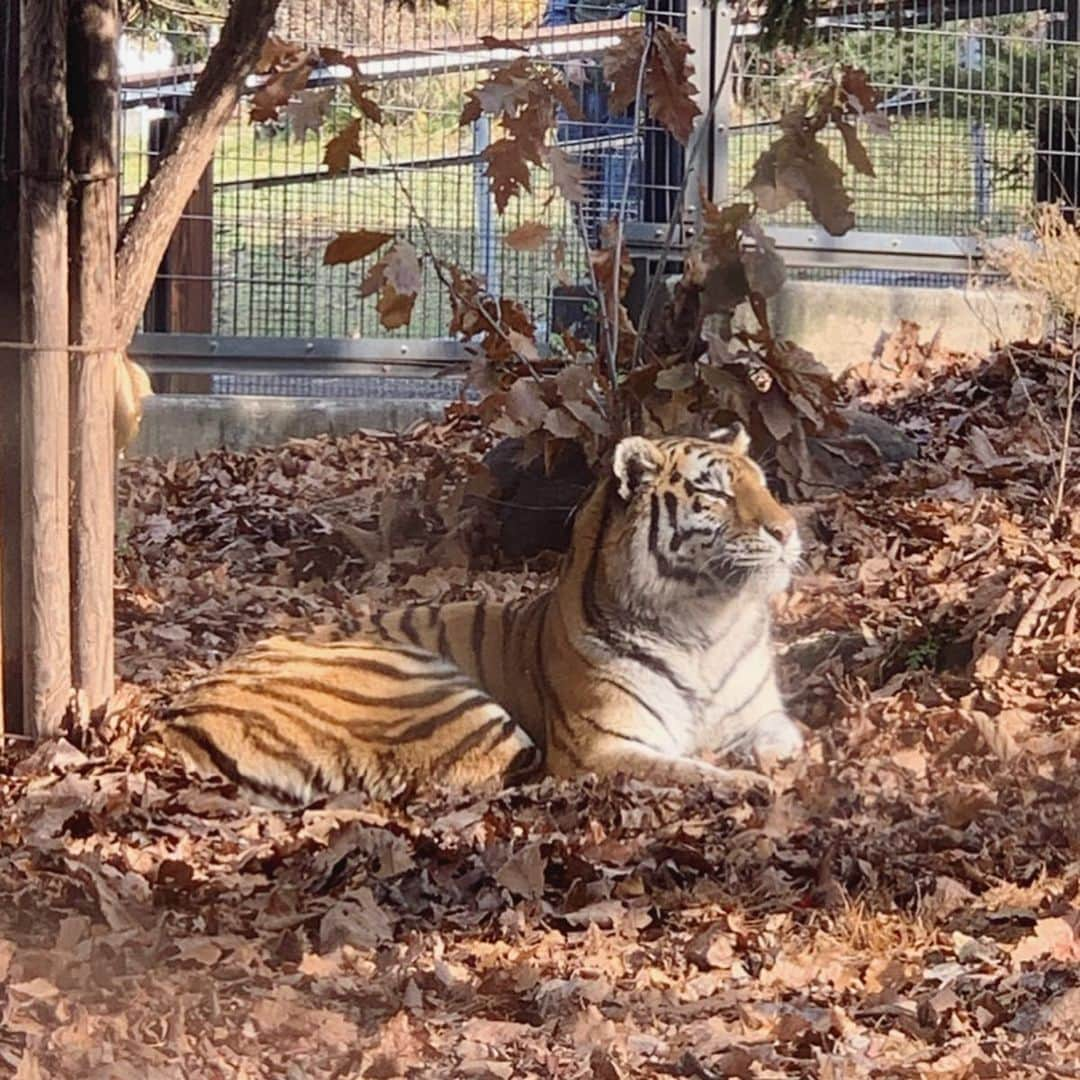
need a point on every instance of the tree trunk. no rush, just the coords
(93, 83)
(146, 235)
(43, 236)
(10, 386)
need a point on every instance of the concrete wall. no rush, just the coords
(178, 425)
(843, 324)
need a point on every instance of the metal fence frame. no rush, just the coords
(713, 32)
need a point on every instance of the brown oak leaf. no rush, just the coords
(797, 167)
(344, 146)
(359, 91)
(507, 171)
(530, 236)
(567, 174)
(347, 247)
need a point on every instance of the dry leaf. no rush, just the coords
(530, 236)
(343, 147)
(798, 168)
(523, 873)
(347, 247)
(567, 174)
(507, 171)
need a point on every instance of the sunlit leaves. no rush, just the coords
(396, 278)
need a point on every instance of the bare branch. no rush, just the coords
(695, 148)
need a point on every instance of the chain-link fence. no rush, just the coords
(248, 256)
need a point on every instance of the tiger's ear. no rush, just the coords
(734, 435)
(637, 462)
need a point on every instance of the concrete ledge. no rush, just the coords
(179, 425)
(842, 324)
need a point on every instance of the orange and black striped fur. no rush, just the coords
(653, 645)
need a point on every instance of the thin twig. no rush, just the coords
(610, 321)
(692, 151)
(624, 206)
(438, 264)
(1070, 405)
(601, 298)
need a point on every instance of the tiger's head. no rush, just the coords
(694, 517)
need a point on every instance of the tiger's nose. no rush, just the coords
(780, 528)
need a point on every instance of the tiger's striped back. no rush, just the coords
(654, 645)
(291, 721)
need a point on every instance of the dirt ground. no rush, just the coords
(906, 907)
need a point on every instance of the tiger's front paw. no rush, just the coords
(738, 783)
(778, 739)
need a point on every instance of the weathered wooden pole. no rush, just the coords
(93, 96)
(43, 253)
(10, 386)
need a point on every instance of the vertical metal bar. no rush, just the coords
(980, 172)
(486, 222)
(699, 22)
(723, 31)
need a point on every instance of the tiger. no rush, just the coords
(653, 645)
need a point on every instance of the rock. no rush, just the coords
(893, 444)
(809, 652)
(534, 508)
(851, 457)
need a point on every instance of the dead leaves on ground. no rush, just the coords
(906, 907)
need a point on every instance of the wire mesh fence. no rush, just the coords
(983, 98)
(270, 206)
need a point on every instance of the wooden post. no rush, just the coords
(93, 94)
(44, 251)
(10, 392)
(183, 298)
